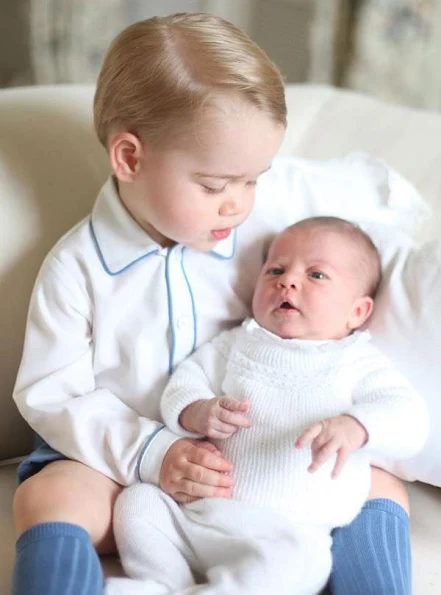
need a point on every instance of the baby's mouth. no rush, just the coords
(288, 306)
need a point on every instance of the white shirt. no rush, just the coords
(292, 384)
(112, 313)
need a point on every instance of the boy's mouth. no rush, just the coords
(221, 234)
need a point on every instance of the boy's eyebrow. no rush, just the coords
(227, 176)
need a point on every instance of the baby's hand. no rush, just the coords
(218, 418)
(342, 435)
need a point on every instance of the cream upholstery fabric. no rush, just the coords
(50, 171)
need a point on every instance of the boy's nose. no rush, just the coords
(230, 207)
(234, 203)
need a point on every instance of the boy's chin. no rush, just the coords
(203, 246)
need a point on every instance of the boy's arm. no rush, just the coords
(57, 393)
(393, 413)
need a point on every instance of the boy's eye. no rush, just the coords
(317, 275)
(211, 190)
(275, 271)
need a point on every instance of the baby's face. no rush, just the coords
(311, 286)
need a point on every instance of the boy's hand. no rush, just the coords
(194, 469)
(342, 435)
(216, 418)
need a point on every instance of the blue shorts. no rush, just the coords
(39, 458)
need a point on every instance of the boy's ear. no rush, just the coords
(125, 152)
(361, 310)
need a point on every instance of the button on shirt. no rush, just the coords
(112, 313)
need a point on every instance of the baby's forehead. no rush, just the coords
(312, 241)
(317, 247)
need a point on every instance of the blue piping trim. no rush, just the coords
(144, 450)
(103, 262)
(232, 253)
(170, 312)
(193, 308)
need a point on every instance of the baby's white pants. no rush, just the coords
(214, 547)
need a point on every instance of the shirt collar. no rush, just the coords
(121, 242)
(251, 326)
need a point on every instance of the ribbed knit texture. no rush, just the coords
(235, 549)
(56, 559)
(372, 555)
(292, 384)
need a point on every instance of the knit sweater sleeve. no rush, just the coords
(198, 377)
(393, 413)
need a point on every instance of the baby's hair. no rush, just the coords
(159, 74)
(370, 258)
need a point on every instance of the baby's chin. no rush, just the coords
(287, 329)
(283, 329)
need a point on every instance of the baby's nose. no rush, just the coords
(289, 280)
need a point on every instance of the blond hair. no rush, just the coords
(370, 262)
(158, 75)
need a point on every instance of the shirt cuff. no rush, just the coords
(152, 455)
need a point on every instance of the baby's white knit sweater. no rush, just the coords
(291, 384)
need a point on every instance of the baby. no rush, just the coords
(300, 401)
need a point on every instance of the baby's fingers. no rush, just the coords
(238, 420)
(309, 435)
(342, 455)
(321, 454)
(232, 412)
(232, 404)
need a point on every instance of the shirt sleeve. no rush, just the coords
(393, 413)
(198, 377)
(60, 397)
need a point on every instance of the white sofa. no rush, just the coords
(51, 167)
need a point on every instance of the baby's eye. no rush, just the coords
(252, 183)
(211, 190)
(275, 271)
(317, 275)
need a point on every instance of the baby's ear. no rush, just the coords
(125, 152)
(361, 310)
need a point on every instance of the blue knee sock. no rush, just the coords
(371, 556)
(56, 559)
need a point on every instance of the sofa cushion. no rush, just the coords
(51, 168)
(406, 325)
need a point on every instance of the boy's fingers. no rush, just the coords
(200, 475)
(197, 491)
(208, 458)
(200, 490)
(183, 498)
(209, 446)
(309, 434)
(217, 435)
